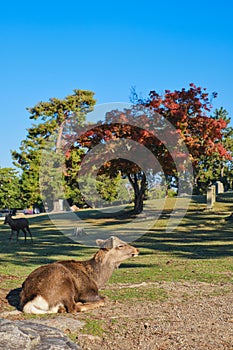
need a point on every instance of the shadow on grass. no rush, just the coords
(201, 235)
(200, 242)
(226, 197)
(48, 245)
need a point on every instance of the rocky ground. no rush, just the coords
(192, 316)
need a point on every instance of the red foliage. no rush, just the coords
(187, 111)
(159, 125)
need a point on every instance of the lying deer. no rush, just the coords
(17, 225)
(71, 285)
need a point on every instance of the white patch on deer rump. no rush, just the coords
(39, 306)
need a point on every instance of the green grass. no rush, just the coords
(149, 293)
(93, 327)
(199, 249)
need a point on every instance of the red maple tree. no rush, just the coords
(172, 127)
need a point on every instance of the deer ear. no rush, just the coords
(111, 242)
(106, 244)
(100, 242)
(116, 242)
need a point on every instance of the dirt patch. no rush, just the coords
(193, 316)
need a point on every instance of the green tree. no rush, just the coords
(101, 188)
(73, 160)
(223, 167)
(54, 124)
(112, 189)
(10, 189)
(216, 167)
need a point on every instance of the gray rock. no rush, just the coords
(62, 323)
(26, 335)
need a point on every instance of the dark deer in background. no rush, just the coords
(17, 225)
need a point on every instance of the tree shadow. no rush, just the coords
(226, 197)
(200, 235)
(48, 244)
(205, 241)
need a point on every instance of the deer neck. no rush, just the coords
(10, 221)
(102, 268)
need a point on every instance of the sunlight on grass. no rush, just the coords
(199, 249)
(149, 293)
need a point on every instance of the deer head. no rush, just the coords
(7, 218)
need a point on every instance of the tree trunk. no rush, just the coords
(138, 203)
(56, 207)
(139, 187)
(59, 137)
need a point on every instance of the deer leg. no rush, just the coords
(90, 296)
(91, 301)
(11, 235)
(29, 231)
(89, 306)
(73, 307)
(25, 234)
(69, 305)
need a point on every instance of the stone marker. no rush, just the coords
(219, 187)
(211, 196)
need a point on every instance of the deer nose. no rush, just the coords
(136, 252)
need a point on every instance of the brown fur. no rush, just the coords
(71, 284)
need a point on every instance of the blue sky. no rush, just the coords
(49, 48)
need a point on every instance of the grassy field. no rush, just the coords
(199, 249)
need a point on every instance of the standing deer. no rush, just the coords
(17, 225)
(72, 285)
